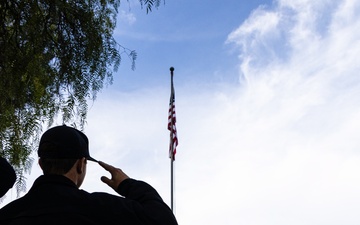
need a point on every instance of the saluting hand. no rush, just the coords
(117, 176)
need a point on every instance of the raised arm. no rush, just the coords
(145, 197)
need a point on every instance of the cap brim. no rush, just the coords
(91, 159)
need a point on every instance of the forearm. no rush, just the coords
(149, 200)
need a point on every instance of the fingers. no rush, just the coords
(106, 180)
(117, 175)
(106, 166)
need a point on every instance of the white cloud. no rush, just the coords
(126, 17)
(296, 156)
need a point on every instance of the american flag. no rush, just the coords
(172, 123)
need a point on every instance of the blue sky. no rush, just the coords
(267, 107)
(188, 35)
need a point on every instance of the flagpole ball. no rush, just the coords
(172, 69)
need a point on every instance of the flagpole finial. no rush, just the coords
(172, 69)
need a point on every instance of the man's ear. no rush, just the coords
(40, 163)
(80, 163)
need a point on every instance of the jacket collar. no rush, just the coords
(53, 179)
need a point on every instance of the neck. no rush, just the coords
(72, 176)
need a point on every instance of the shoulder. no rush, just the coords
(12, 208)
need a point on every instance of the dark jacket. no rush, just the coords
(54, 199)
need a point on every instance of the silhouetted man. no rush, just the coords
(55, 197)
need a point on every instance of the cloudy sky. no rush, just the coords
(267, 103)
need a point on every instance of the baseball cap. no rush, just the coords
(63, 142)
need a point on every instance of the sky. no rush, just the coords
(267, 109)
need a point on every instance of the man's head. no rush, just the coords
(61, 148)
(7, 176)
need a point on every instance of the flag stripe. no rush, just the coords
(172, 124)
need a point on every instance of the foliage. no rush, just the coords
(150, 4)
(54, 57)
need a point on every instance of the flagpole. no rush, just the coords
(172, 150)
